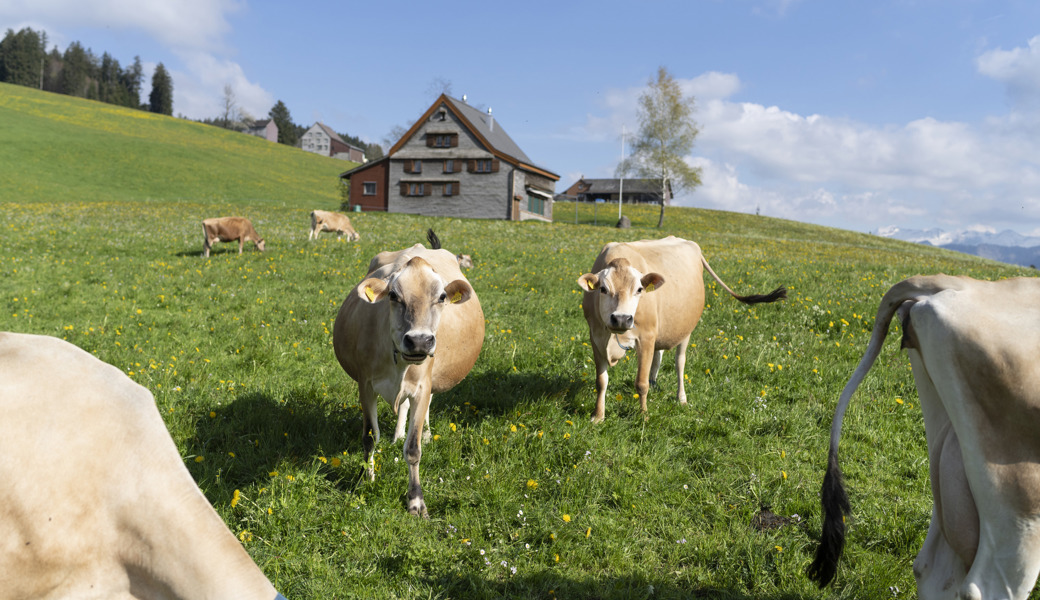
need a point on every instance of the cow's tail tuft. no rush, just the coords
(435, 242)
(836, 507)
(779, 293)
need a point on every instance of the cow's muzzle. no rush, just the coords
(416, 347)
(620, 322)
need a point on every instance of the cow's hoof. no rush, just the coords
(418, 508)
(597, 419)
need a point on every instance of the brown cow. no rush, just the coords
(95, 500)
(973, 348)
(623, 314)
(229, 229)
(323, 220)
(413, 327)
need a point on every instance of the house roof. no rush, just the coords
(611, 186)
(485, 128)
(362, 167)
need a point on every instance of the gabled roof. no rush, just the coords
(486, 129)
(329, 132)
(612, 186)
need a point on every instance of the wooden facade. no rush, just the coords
(455, 161)
(634, 190)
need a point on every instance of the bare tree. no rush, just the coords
(230, 115)
(666, 135)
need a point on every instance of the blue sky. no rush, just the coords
(915, 113)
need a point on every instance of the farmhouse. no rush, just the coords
(455, 161)
(633, 190)
(321, 139)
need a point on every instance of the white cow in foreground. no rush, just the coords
(323, 220)
(95, 500)
(648, 296)
(974, 348)
(413, 327)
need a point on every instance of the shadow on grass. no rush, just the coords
(551, 587)
(498, 393)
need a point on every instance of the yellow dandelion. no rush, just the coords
(235, 498)
(531, 483)
(899, 400)
(199, 459)
(512, 428)
(588, 532)
(452, 427)
(336, 462)
(566, 518)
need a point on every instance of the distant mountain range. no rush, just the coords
(1005, 246)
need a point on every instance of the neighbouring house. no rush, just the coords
(455, 161)
(321, 139)
(633, 190)
(266, 129)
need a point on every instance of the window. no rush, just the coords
(483, 165)
(413, 166)
(451, 188)
(535, 204)
(368, 188)
(416, 189)
(442, 140)
(449, 166)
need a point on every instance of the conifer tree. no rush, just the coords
(161, 99)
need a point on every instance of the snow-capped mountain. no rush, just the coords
(1005, 246)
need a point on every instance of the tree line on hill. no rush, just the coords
(24, 60)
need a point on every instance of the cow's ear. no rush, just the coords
(458, 291)
(372, 290)
(651, 281)
(588, 281)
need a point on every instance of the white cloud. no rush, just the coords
(199, 90)
(1018, 69)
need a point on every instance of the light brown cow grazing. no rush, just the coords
(647, 295)
(973, 348)
(412, 328)
(229, 229)
(323, 220)
(95, 500)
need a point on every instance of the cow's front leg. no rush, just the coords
(369, 426)
(680, 369)
(241, 242)
(402, 420)
(600, 358)
(413, 454)
(646, 359)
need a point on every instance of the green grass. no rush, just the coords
(237, 351)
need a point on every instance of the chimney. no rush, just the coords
(464, 97)
(491, 120)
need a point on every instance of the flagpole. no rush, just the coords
(621, 181)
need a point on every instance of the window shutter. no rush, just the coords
(404, 189)
(407, 166)
(430, 139)
(454, 140)
(471, 165)
(458, 188)
(427, 189)
(494, 165)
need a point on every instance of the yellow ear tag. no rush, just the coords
(456, 297)
(370, 294)
(589, 285)
(650, 288)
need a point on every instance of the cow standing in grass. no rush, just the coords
(973, 347)
(323, 220)
(647, 296)
(413, 327)
(229, 229)
(95, 500)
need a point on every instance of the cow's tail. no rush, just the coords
(778, 294)
(833, 496)
(435, 242)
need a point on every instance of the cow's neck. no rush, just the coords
(182, 549)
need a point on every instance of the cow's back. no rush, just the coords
(460, 334)
(677, 306)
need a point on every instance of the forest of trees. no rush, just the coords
(24, 60)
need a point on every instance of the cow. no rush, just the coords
(973, 348)
(647, 295)
(229, 229)
(412, 328)
(95, 500)
(465, 260)
(323, 220)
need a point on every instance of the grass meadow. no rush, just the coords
(527, 498)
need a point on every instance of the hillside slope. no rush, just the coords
(63, 148)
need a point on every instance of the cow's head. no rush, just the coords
(417, 296)
(618, 289)
(260, 245)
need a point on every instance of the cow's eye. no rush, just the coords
(603, 289)
(443, 298)
(394, 297)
